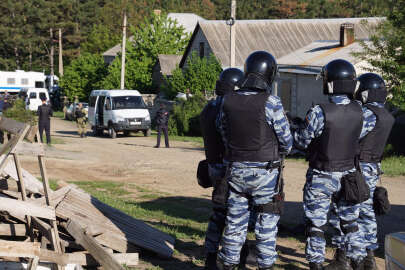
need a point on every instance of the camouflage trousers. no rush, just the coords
(259, 185)
(81, 125)
(318, 191)
(367, 221)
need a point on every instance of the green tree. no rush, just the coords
(199, 76)
(83, 75)
(100, 39)
(155, 35)
(386, 53)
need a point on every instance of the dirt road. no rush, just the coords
(133, 159)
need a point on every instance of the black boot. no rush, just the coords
(358, 265)
(211, 261)
(369, 261)
(222, 266)
(315, 266)
(340, 262)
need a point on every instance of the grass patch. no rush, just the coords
(198, 140)
(394, 165)
(58, 114)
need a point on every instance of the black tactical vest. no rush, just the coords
(336, 148)
(213, 144)
(372, 146)
(249, 136)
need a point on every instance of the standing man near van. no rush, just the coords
(162, 121)
(81, 120)
(44, 120)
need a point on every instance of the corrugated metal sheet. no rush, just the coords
(320, 53)
(279, 37)
(187, 20)
(168, 62)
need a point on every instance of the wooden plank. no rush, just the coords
(43, 227)
(31, 134)
(21, 185)
(13, 230)
(12, 126)
(26, 208)
(33, 149)
(89, 243)
(33, 264)
(8, 184)
(33, 185)
(85, 259)
(123, 230)
(19, 249)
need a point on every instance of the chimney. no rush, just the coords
(346, 34)
(157, 12)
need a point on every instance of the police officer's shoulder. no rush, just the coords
(275, 100)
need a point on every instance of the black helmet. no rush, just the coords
(372, 88)
(263, 65)
(228, 79)
(339, 77)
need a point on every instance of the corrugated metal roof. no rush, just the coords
(168, 62)
(279, 37)
(116, 49)
(320, 53)
(187, 20)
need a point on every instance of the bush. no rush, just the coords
(185, 119)
(19, 113)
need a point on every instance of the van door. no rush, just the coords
(107, 111)
(100, 111)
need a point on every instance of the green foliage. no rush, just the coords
(185, 118)
(199, 76)
(19, 113)
(83, 76)
(386, 53)
(100, 39)
(155, 35)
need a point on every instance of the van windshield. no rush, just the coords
(128, 102)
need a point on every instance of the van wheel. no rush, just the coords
(126, 133)
(146, 133)
(111, 132)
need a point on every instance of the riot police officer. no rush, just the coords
(214, 152)
(255, 131)
(81, 120)
(331, 133)
(372, 94)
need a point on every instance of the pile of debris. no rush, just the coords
(66, 228)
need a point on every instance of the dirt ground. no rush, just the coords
(133, 159)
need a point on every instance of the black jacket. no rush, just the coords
(44, 113)
(162, 118)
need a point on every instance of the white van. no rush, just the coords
(33, 97)
(118, 111)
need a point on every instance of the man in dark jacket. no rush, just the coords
(44, 120)
(162, 121)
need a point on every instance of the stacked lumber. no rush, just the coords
(66, 228)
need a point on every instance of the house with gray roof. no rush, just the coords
(163, 68)
(301, 47)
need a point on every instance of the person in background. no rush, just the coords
(81, 120)
(162, 121)
(44, 120)
(65, 106)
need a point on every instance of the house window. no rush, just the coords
(11, 81)
(202, 49)
(24, 81)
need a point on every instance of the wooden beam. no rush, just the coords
(85, 259)
(26, 208)
(33, 185)
(8, 184)
(43, 227)
(32, 149)
(19, 249)
(13, 230)
(11, 126)
(90, 244)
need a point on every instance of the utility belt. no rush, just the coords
(276, 206)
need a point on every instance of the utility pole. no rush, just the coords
(232, 30)
(124, 31)
(60, 53)
(51, 54)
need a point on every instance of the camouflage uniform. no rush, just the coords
(367, 221)
(81, 122)
(318, 191)
(259, 183)
(65, 106)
